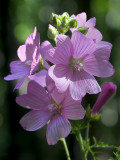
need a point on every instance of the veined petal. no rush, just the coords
(103, 50)
(59, 127)
(93, 33)
(91, 22)
(20, 83)
(34, 120)
(81, 18)
(18, 70)
(40, 77)
(47, 51)
(82, 46)
(72, 109)
(36, 97)
(58, 97)
(60, 74)
(97, 66)
(82, 83)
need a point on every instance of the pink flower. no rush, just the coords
(45, 109)
(90, 25)
(76, 62)
(108, 90)
(29, 55)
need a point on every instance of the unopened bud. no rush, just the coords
(52, 32)
(108, 90)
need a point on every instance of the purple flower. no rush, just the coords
(90, 25)
(76, 62)
(29, 63)
(108, 90)
(45, 109)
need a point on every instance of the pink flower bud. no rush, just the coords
(108, 89)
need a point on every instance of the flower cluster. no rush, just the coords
(61, 75)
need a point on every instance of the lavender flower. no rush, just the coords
(108, 90)
(45, 109)
(76, 62)
(89, 25)
(30, 58)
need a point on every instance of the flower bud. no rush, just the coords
(52, 32)
(108, 89)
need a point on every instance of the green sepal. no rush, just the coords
(83, 30)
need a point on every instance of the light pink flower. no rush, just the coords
(90, 25)
(29, 63)
(108, 89)
(76, 62)
(44, 109)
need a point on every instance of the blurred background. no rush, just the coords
(17, 20)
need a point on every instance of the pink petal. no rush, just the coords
(96, 64)
(21, 52)
(81, 18)
(60, 74)
(36, 97)
(59, 127)
(103, 49)
(40, 77)
(108, 90)
(18, 70)
(82, 46)
(82, 83)
(91, 22)
(58, 97)
(72, 109)
(47, 51)
(93, 33)
(35, 120)
(20, 83)
(61, 53)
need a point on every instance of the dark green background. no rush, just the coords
(17, 21)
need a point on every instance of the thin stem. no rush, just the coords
(81, 143)
(66, 148)
(87, 131)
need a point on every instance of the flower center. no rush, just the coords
(76, 64)
(54, 108)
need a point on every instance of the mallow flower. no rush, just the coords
(108, 89)
(87, 27)
(76, 62)
(30, 61)
(44, 109)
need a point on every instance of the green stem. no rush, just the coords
(66, 148)
(81, 143)
(87, 132)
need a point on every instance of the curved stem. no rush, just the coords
(66, 148)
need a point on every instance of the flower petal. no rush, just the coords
(40, 77)
(93, 33)
(82, 83)
(34, 120)
(58, 97)
(81, 18)
(97, 66)
(91, 22)
(72, 109)
(60, 74)
(82, 46)
(20, 83)
(36, 97)
(18, 70)
(59, 127)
